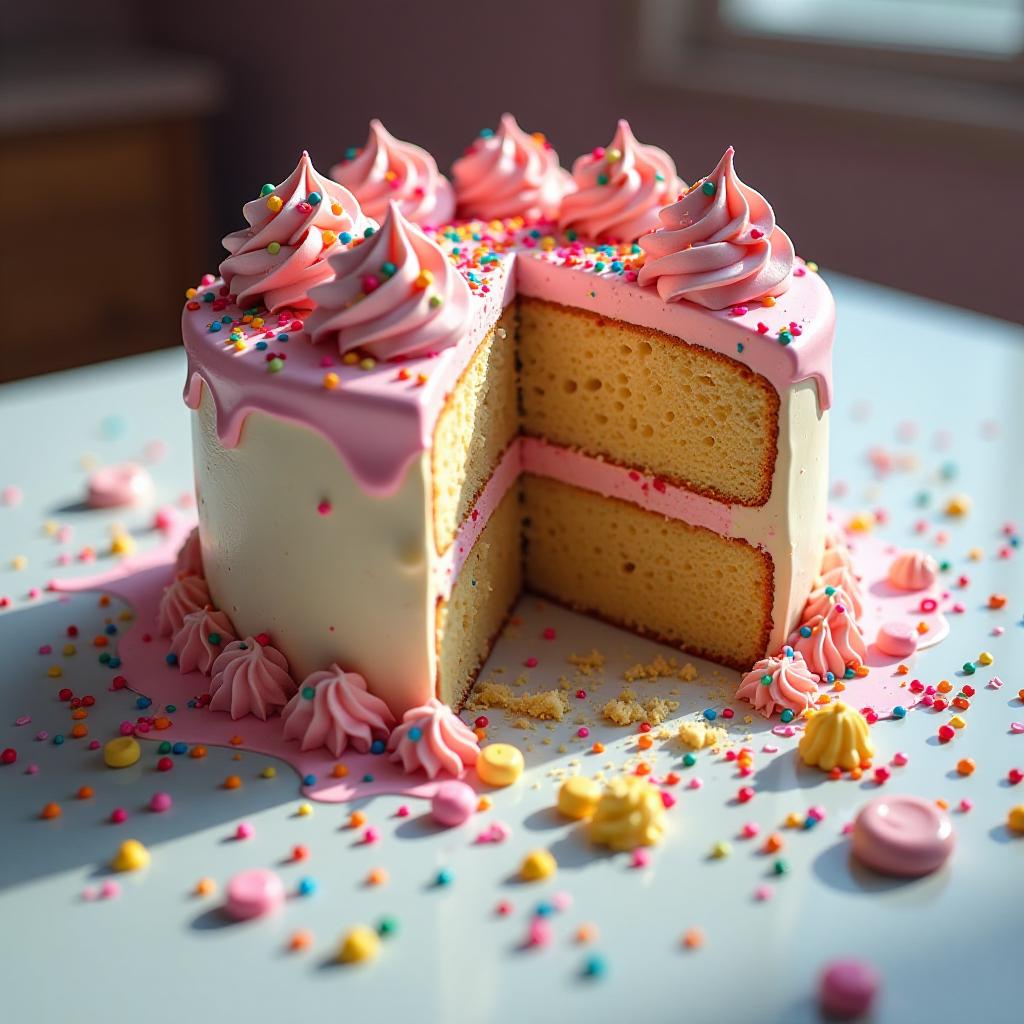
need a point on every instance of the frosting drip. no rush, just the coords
(831, 643)
(394, 296)
(250, 678)
(388, 169)
(189, 561)
(432, 738)
(913, 570)
(619, 190)
(186, 594)
(334, 709)
(293, 228)
(200, 639)
(779, 684)
(508, 173)
(719, 245)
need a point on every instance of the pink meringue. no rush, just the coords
(250, 678)
(334, 709)
(780, 683)
(508, 173)
(620, 190)
(201, 637)
(913, 570)
(186, 594)
(189, 561)
(434, 739)
(830, 643)
(388, 169)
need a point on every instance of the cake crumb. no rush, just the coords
(626, 709)
(587, 664)
(661, 668)
(697, 735)
(548, 705)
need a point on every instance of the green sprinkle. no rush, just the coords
(387, 926)
(766, 679)
(274, 248)
(388, 269)
(435, 301)
(787, 715)
(266, 190)
(308, 693)
(689, 760)
(780, 867)
(602, 179)
(708, 188)
(214, 638)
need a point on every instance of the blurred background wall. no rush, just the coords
(884, 158)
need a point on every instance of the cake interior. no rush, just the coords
(630, 396)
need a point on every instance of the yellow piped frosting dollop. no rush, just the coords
(629, 813)
(836, 736)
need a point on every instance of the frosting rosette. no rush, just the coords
(830, 643)
(837, 736)
(620, 190)
(334, 709)
(189, 561)
(913, 570)
(432, 738)
(837, 554)
(394, 296)
(293, 228)
(186, 594)
(841, 578)
(779, 684)
(201, 637)
(719, 245)
(250, 678)
(508, 173)
(388, 169)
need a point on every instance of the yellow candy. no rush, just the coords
(359, 944)
(305, 810)
(269, 772)
(499, 764)
(577, 797)
(330, 381)
(538, 864)
(122, 544)
(131, 856)
(274, 204)
(721, 849)
(121, 752)
(837, 735)
(957, 722)
(1015, 819)
(985, 658)
(629, 813)
(958, 505)
(55, 671)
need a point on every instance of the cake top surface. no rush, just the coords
(326, 318)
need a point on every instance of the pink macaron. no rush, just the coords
(253, 893)
(903, 836)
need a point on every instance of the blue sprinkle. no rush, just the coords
(314, 199)
(309, 780)
(805, 631)
(544, 909)
(899, 711)
(617, 266)
(58, 739)
(444, 877)
(595, 966)
(110, 630)
(787, 651)
(787, 715)
(810, 822)
(282, 337)
(415, 733)
(368, 233)
(208, 297)
(179, 748)
(261, 346)
(307, 886)
(114, 662)
(215, 327)
(142, 702)
(377, 747)
(710, 714)
(351, 153)
(225, 319)
(345, 237)
(739, 346)
(367, 777)
(486, 133)
(830, 677)
(849, 674)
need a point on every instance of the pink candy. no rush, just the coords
(453, 803)
(160, 802)
(253, 893)
(847, 989)
(244, 830)
(540, 933)
(641, 857)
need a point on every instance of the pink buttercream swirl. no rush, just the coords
(718, 245)
(839, 588)
(186, 594)
(200, 639)
(396, 295)
(830, 643)
(250, 678)
(334, 709)
(293, 229)
(508, 173)
(841, 577)
(189, 561)
(913, 570)
(387, 168)
(620, 190)
(434, 739)
(778, 684)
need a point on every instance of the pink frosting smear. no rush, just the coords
(334, 709)
(387, 169)
(913, 570)
(395, 296)
(250, 678)
(778, 684)
(620, 190)
(293, 228)
(835, 642)
(185, 594)
(433, 739)
(719, 245)
(508, 173)
(192, 645)
(190, 556)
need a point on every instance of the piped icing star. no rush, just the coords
(913, 570)
(433, 739)
(779, 684)
(293, 229)
(250, 678)
(831, 643)
(189, 561)
(507, 173)
(186, 594)
(387, 169)
(719, 245)
(201, 637)
(620, 190)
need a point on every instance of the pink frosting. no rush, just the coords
(334, 709)
(387, 168)
(620, 190)
(250, 678)
(396, 295)
(304, 232)
(434, 739)
(718, 250)
(192, 644)
(913, 570)
(841, 577)
(510, 174)
(779, 683)
(186, 594)
(837, 554)
(834, 644)
(821, 599)
(190, 557)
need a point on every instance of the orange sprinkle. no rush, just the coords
(966, 766)
(99, 641)
(644, 741)
(378, 876)
(339, 771)
(484, 803)
(856, 774)
(902, 670)
(836, 773)
(161, 723)
(197, 751)
(236, 741)
(206, 887)
(943, 805)
(944, 686)
(671, 779)
(839, 686)
(232, 782)
(586, 933)
(79, 730)
(79, 713)
(862, 671)
(693, 938)
(598, 748)
(643, 768)
(922, 627)
(50, 810)
(104, 601)
(773, 843)
(356, 818)
(84, 793)
(481, 734)
(997, 600)
(300, 940)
